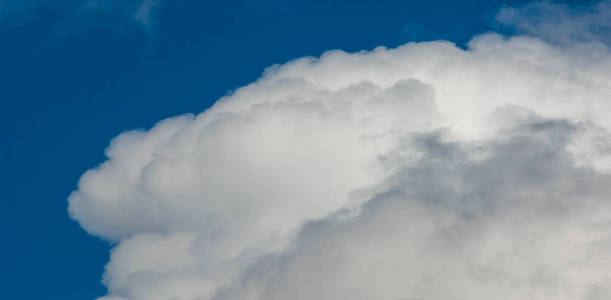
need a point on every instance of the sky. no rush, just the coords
(500, 124)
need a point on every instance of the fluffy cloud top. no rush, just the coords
(421, 172)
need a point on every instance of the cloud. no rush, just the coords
(560, 23)
(140, 14)
(426, 171)
(453, 227)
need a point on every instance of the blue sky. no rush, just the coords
(70, 81)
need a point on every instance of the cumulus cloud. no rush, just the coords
(426, 171)
(521, 223)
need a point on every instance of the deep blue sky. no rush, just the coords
(68, 86)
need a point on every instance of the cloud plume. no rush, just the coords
(425, 172)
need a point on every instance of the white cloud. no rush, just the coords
(451, 227)
(421, 172)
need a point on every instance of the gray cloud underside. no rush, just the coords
(521, 223)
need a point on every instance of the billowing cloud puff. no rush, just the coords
(425, 172)
(521, 222)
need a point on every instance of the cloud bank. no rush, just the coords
(425, 172)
